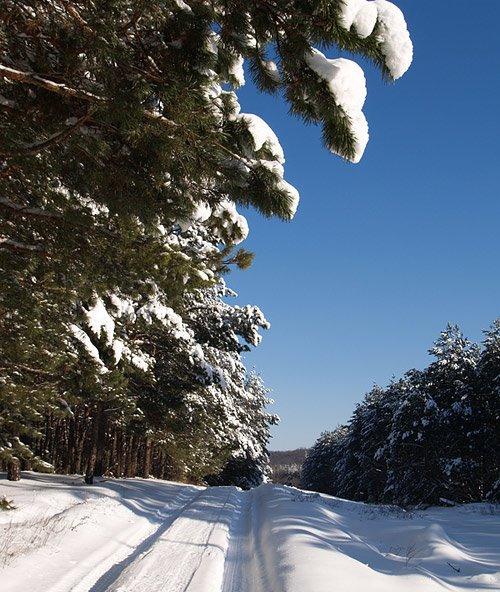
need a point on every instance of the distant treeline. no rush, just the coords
(431, 437)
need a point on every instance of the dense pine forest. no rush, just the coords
(123, 159)
(430, 437)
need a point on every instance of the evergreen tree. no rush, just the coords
(248, 465)
(372, 420)
(483, 433)
(318, 469)
(428, 438)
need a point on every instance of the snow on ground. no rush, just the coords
(136, 535)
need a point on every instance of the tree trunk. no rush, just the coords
(134, 444)
(101, 421)
(146, 467)
(14, 470)
(89, 472)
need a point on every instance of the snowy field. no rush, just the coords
(136, 535)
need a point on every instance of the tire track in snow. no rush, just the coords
(185, 555)
(249, 566)
(105, 571)
(238, 557)
(108, 578)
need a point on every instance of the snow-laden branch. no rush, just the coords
(15, 246)
(51, 140)
(50, 85)
(68, 91)
(392, 33)
(27, 211)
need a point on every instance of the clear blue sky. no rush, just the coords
(381, 255)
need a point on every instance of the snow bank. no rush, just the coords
(64, 536)
(307, 541)
(134, 535)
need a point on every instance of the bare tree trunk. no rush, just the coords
(101, 421)
(146, 467)
(120, 454)
(134, 443)
(89, 472)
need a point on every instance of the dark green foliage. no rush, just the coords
(319, 466)
(122, 155)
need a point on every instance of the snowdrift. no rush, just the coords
(135, 535)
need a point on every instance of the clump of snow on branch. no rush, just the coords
(233, 223)
(99, 320)
(346, 82)
(264, 143)
(394, 38)
(236, 72)
(272, 70)
(262, 135)
(183, 6)
(362, 14)
(392, 32)
(88, 346)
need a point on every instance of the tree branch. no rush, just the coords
(27, 211)
(16, 247)
(56, 87)
(30, 370)
(73, 12)
(68, 91)
(53, 139)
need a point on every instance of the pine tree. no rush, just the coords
(248, 465)
(124, 156)
(319, 467)
(483, 433)
(374, 421)
(428, 438)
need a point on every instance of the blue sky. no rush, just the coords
(381, 255)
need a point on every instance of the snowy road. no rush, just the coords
(138, 535)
